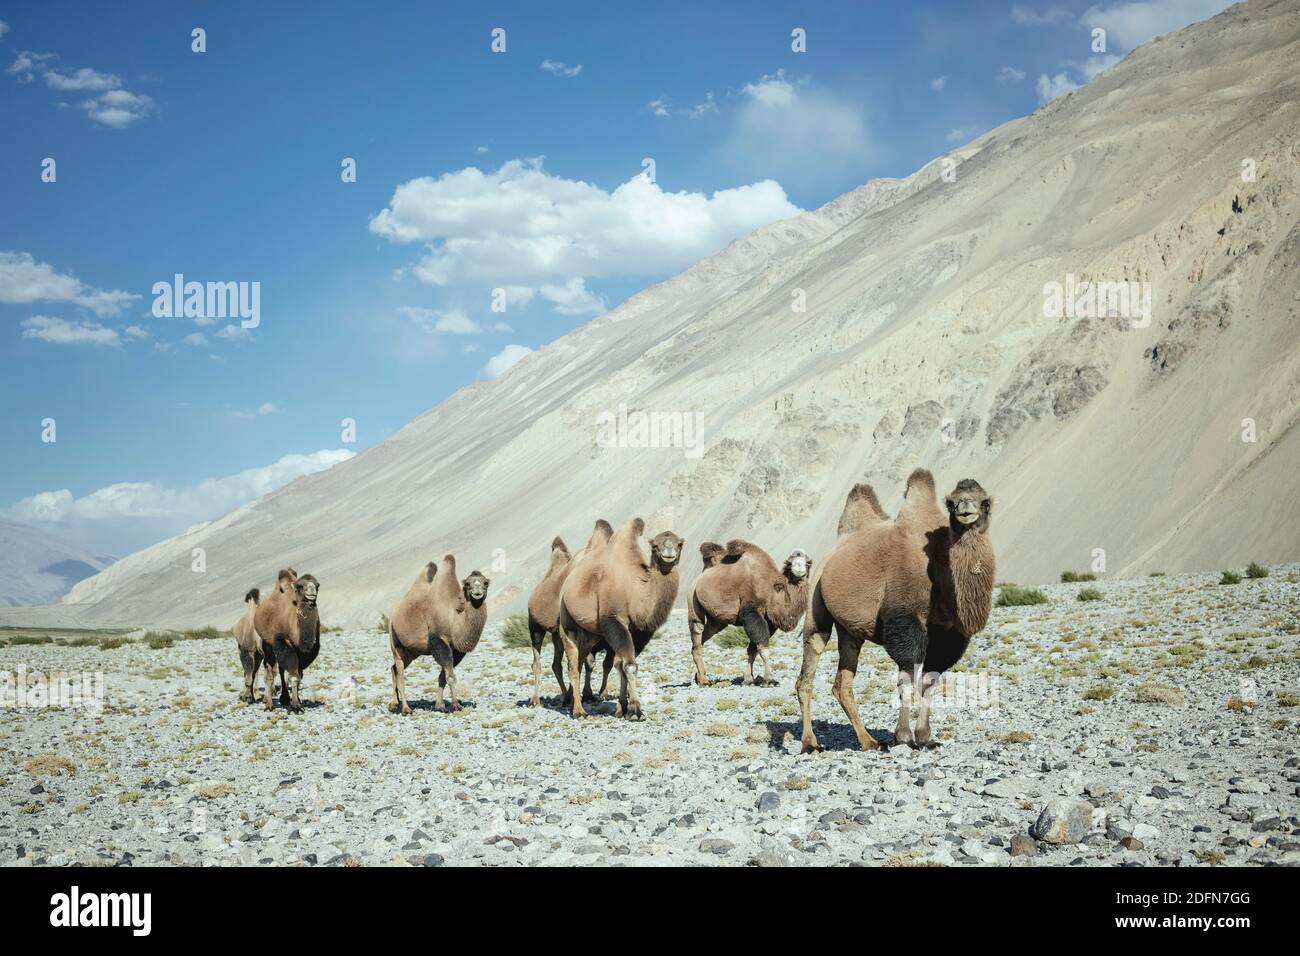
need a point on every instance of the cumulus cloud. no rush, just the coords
(26, 63)
(113, 106)
(522, 226)
(504, 360)
(662, 106)
(62, 332)
(962, 134)
(4, 28)
(1129, 24)
(788, 128)
(266, 408)
(561, 69)
(449, 321)
(572, 298)
(82, 79)
(1009, 74)
(1050, 87)
(23, 280)
(118, 108)
(122, 517)
(938, 83)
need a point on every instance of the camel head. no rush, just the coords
(666, 550)
(797, 565)
(476, 588)
(969, 507)
(305, 591)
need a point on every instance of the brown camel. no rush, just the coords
(288, 625)
(544, 614)
(250, 646)
(920, 587)
(619, 596)
(741, 584)
(441, 616)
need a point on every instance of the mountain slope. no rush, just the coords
(924, 341)
(37, 567)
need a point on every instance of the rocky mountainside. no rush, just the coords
(1164, 439)
(37, 567)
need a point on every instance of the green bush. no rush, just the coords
(515, 631)
(1256, 570)
(1099, 692)
(1089, 594)
(157, 640)
(1230, 577)
(1156, 574)
(203, 634)
(731, 637)
(112, 643)
(1073, 577)
(1012, 595)
(20, 639)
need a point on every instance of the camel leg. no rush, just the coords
(588, 665)
(400, 662)
(903, 732)
(290, 674)
(250, 674)
(928, 684)
(441, 652)
(757, 631)
(575, 673)
(816, 630)
(557, 667)
(605, 668)
(751, 651)
(842, 689)
(767, 666)
(621, 646)
(697, 652)
(268, 672)
(536, 634)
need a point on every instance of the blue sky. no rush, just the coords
(475, 171)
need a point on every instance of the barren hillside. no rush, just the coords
(924, 341)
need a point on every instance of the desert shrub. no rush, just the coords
(112, 643)
(20, 639)
(158, 640)
(1256, 570)
(1153, 693)
(1073, 577)
(203, 634)
(1099, 692)
(1156, 574)
(515, 631)
(384, 624)
(731, 637)
(1012, 595)
(1089, 594)
(1230, 577)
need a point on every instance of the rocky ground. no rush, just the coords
(1155, 726)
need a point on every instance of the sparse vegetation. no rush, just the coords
(1090, 594)
(732, 638)
(1254, 570)
(50, 765)
(1017, 737)
(515, 631)
(1012, 595)
(1099, 692)
(1073, 577)
(1230, 577)
(1153, 693)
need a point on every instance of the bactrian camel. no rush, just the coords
(741, 584)
(919, 586)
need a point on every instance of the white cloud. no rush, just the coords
(118, 108)
(572, 298)
(788, 128)
(23, 280)
(662, 106)
(83, 79)
(62, 332)
(480, 150)
(232, 333)
(4, 28)
(451, 321)
(505, 359)
(266, 408)
(938, 83)
(561, 69)
(1034, 17)
(658, 106)
(1009, 74)
(522, 226)
(1050, 87)
(1128, 25)
(26, 63)
(196, 339)
(135, 332)
(123, 516)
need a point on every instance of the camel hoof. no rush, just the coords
(925, 745)
(579, 713)
(810, 745)
(701, 681)
(394, 707)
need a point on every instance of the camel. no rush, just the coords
(920, 587)
(544, 614)
(441, 616)
(619, 596)
(288, 626)
(741, 584)
(250, 646)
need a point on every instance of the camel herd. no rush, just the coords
(920, 585)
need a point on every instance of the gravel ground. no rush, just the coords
(1156, 726)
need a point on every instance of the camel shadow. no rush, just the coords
(556, 703)
(432, 705)
(830, 736)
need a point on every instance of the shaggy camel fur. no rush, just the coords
(544, 615)
(619, 596)
(250, 646)
(441, 616)
(741, 584)
(288, 625)
(920, 586)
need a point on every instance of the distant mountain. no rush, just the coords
(37, 567)
(1166, 441)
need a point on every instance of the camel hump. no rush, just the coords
(449, 562)
(861, 508)
(922, 480)
(253, 595)
(286, 574)
(603, 527)
(636, 526)
(430, 570)
(559, 545)
(711, 553)
(737, 548)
